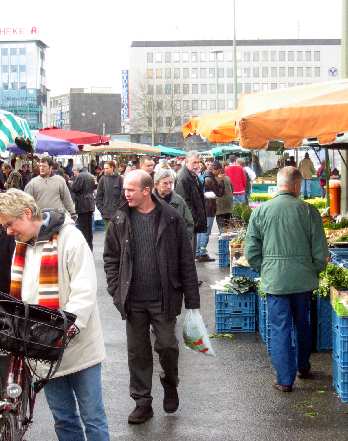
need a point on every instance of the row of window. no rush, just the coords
(14, 85)
(205, 89)
(219, 55)
(13, 68)
(13, 51)
(247, 72)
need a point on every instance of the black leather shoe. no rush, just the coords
(205, 258)
(305, 374)
(283, 387)
(140, 415)
(171, 398)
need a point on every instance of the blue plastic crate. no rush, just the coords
(243, 271)
(339, 324)
(232, 303)
(340, 381)
(230, 323)
(340, 349)
(224, 245)
(324, 324)
(262, 317)
(223, 260)
(339, 256)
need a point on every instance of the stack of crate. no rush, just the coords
(235, 312)
(224, 250)
(340, 355)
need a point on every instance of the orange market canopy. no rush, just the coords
(215, 127)
(318, 110)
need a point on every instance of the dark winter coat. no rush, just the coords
(212, 184)
(82, 189)
(109, 194)
(189, 188)
(176, 265)
(7, 246)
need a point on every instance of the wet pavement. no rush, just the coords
(227, 397)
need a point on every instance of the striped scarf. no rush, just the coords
(48, 279)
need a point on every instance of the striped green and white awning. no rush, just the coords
(11, 127)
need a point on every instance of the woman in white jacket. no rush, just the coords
(76, 388)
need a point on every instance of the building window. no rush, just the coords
(22, 51)
(185, 89)
(229, 88)
(13, 69)
(212, 105)
(168, 73)
(211, 72)
(195, 105)
(168, 121)
(229, 72)
(149, 90)
(299, 56)
(176, 57)
(194, 73)
(264, 72)
(159, 121)
(185, 73)
(159, 74)
(194, 57)
(317, 71)
(273, 55)
(158, 57)
(149, 57)
(212, 88)
(316, 55)
(203, 72)
(291, 56)
(291, 71)
(220, 72)
(168, 57)
(168, 89)
(246, 72)
(264, 55)
(186, 105)
(4, 51)
(22, 85)
(204, 105)
(256, 87)
(204, 56)
(4, 68)
(168, 105)
(256, 56)
(177, 105)
(256, 72)
(221, 88)
(247, 57)
(177, 89)
(204, 89)
(308, 56)
(291, 84)
(13, 51)
(281, 55)
(159, 89)
(185, 57)
(308, 71)
(177, 121)
(159, 105)
(176, 73)
(229, 56)
(212, 56)
(247, 88)
(282, 71)
(299, 71)
(273, 86)
(221, 104)
(194, 89)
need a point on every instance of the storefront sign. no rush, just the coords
(18, 32)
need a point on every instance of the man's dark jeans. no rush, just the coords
(140, 359)
(85, 224)
(284, 312)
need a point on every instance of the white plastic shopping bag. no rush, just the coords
(195, 333)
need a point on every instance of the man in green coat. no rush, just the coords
(286, 243)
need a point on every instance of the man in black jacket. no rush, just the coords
(190, 189)
(109, 192)
(149, 268)
(82, 189)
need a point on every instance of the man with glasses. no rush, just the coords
(50, 191)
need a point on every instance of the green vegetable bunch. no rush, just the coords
(240, 285)
(242, 211)
(333, 275)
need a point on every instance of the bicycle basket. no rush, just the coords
(34, 331)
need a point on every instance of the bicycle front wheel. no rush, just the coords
(8, 431)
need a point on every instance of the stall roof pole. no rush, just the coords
(344, 74)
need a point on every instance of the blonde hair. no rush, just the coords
(14, 202)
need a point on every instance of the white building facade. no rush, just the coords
(181, 79)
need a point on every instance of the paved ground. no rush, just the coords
(228, 397)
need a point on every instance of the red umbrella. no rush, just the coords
(74, 136)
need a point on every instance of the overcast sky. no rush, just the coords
(90, 40)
